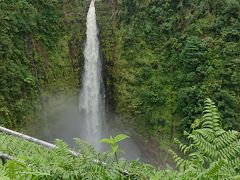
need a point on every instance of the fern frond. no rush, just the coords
(228, 137)
(180, 162)
(212, 171)
(205, 133)
(204, 146)
(235, 163)
(211, 118)
(182, 147)
(231, 151)
(215, 152)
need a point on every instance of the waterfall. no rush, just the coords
(91, 103)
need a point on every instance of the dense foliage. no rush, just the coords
(171, 54)
(40, 54)
(161, 58)
(212, 153)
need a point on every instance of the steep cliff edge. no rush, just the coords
(162, 58)
(40, 54)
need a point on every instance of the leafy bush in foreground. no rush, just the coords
(212, 153)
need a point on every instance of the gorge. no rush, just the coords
(91, 69)
(88, 121)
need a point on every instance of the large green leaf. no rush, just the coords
(120, 137)
(108, 141)
(114, 148)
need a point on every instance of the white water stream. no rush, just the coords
(91, 103)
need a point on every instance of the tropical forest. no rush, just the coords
(120, 89)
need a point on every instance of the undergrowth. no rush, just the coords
(211, 153)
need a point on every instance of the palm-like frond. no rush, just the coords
(218, 149)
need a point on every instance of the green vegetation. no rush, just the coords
(161, 59)
(212, 153)
(40, 54)
(168, 56)
(113, 142)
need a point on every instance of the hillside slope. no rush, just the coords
(40, 55)
(163, 57)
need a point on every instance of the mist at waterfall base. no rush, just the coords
(64, 121)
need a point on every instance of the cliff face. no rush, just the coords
(163, 58)
(106, 20)
(40, 54)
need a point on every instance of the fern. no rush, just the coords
(36, 162)
(212, 153)
(215, 152)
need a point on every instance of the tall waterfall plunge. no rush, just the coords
(87, 121)
(91, 103)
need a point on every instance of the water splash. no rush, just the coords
(91, 97)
